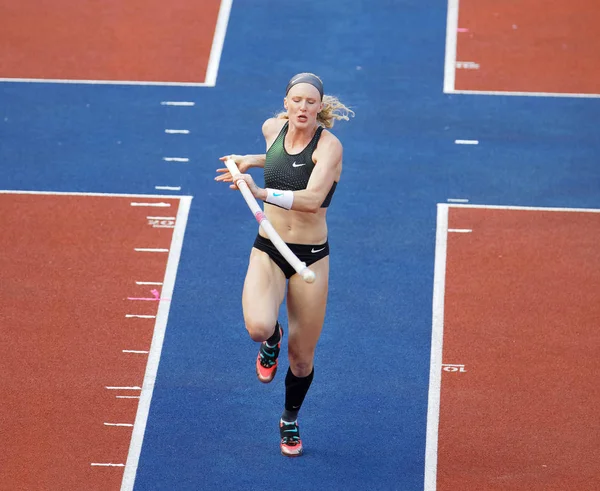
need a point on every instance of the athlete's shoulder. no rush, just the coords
(330, 142)
(329, 149)
(272, 126)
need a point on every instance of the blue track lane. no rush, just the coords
(212, 425)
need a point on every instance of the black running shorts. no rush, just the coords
(308, 254)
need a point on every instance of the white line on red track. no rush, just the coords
(127, 397)
(437, 332)
(460, 230)
(217, 44)
(149, 249)
(525, 94)
(94, 464)
(148, 282)
(528, 208)
(143, 409)
(105, 82)
(135, 351)
(131, 316)
(160, 205)
(100, 195)
(450, 57)
(130, 425)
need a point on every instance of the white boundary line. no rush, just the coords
(530, 94)
(141, 417)
(450, 60)
(437, 335)
(524, 208)
(437, 327)
(212, 68)
(218, 41)
(108, 195)
(102, 82)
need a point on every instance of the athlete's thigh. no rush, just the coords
(306, 305)
(264, 289)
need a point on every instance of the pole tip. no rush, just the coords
(308, 276)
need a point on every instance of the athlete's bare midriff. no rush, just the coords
(297, 227)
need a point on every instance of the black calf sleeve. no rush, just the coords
(295, 392)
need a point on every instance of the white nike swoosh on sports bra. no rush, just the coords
(318, 250)
(299, 165)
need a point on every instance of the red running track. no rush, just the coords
(529, 46)
(522, 316)
(68, 266)
(108, 40)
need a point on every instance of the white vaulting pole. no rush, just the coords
(300, 267)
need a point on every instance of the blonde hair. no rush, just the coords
(333, 110)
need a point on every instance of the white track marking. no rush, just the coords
(457, 200)
(107, 195)
(148, 282)
(158, 205)
(437, 334)
(177, 132)
(119, 424)
(527, 208)
(176, 159)
(168, 188)
(103, 82)
(135, 351)
(467, 65)
(146, 249)
(94, 464)
(178, 103)
(127, 397)
(450, 60)
(141, 418)
(218, 41)
(531, 94)
(136, 316)
(460, 230)
(466, 142)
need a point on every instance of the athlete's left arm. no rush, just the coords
(328, 161)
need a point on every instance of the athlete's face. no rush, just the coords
(303, 104)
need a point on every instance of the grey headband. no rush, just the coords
(305, 78)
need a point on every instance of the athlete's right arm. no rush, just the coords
(244, 162)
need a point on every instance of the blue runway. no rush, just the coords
(212, 425)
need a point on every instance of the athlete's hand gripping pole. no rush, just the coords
(300, 267)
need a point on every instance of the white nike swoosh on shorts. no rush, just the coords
(299, 165)
(318, 250)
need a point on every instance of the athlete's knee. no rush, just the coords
(259, 330)
(301, 367)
